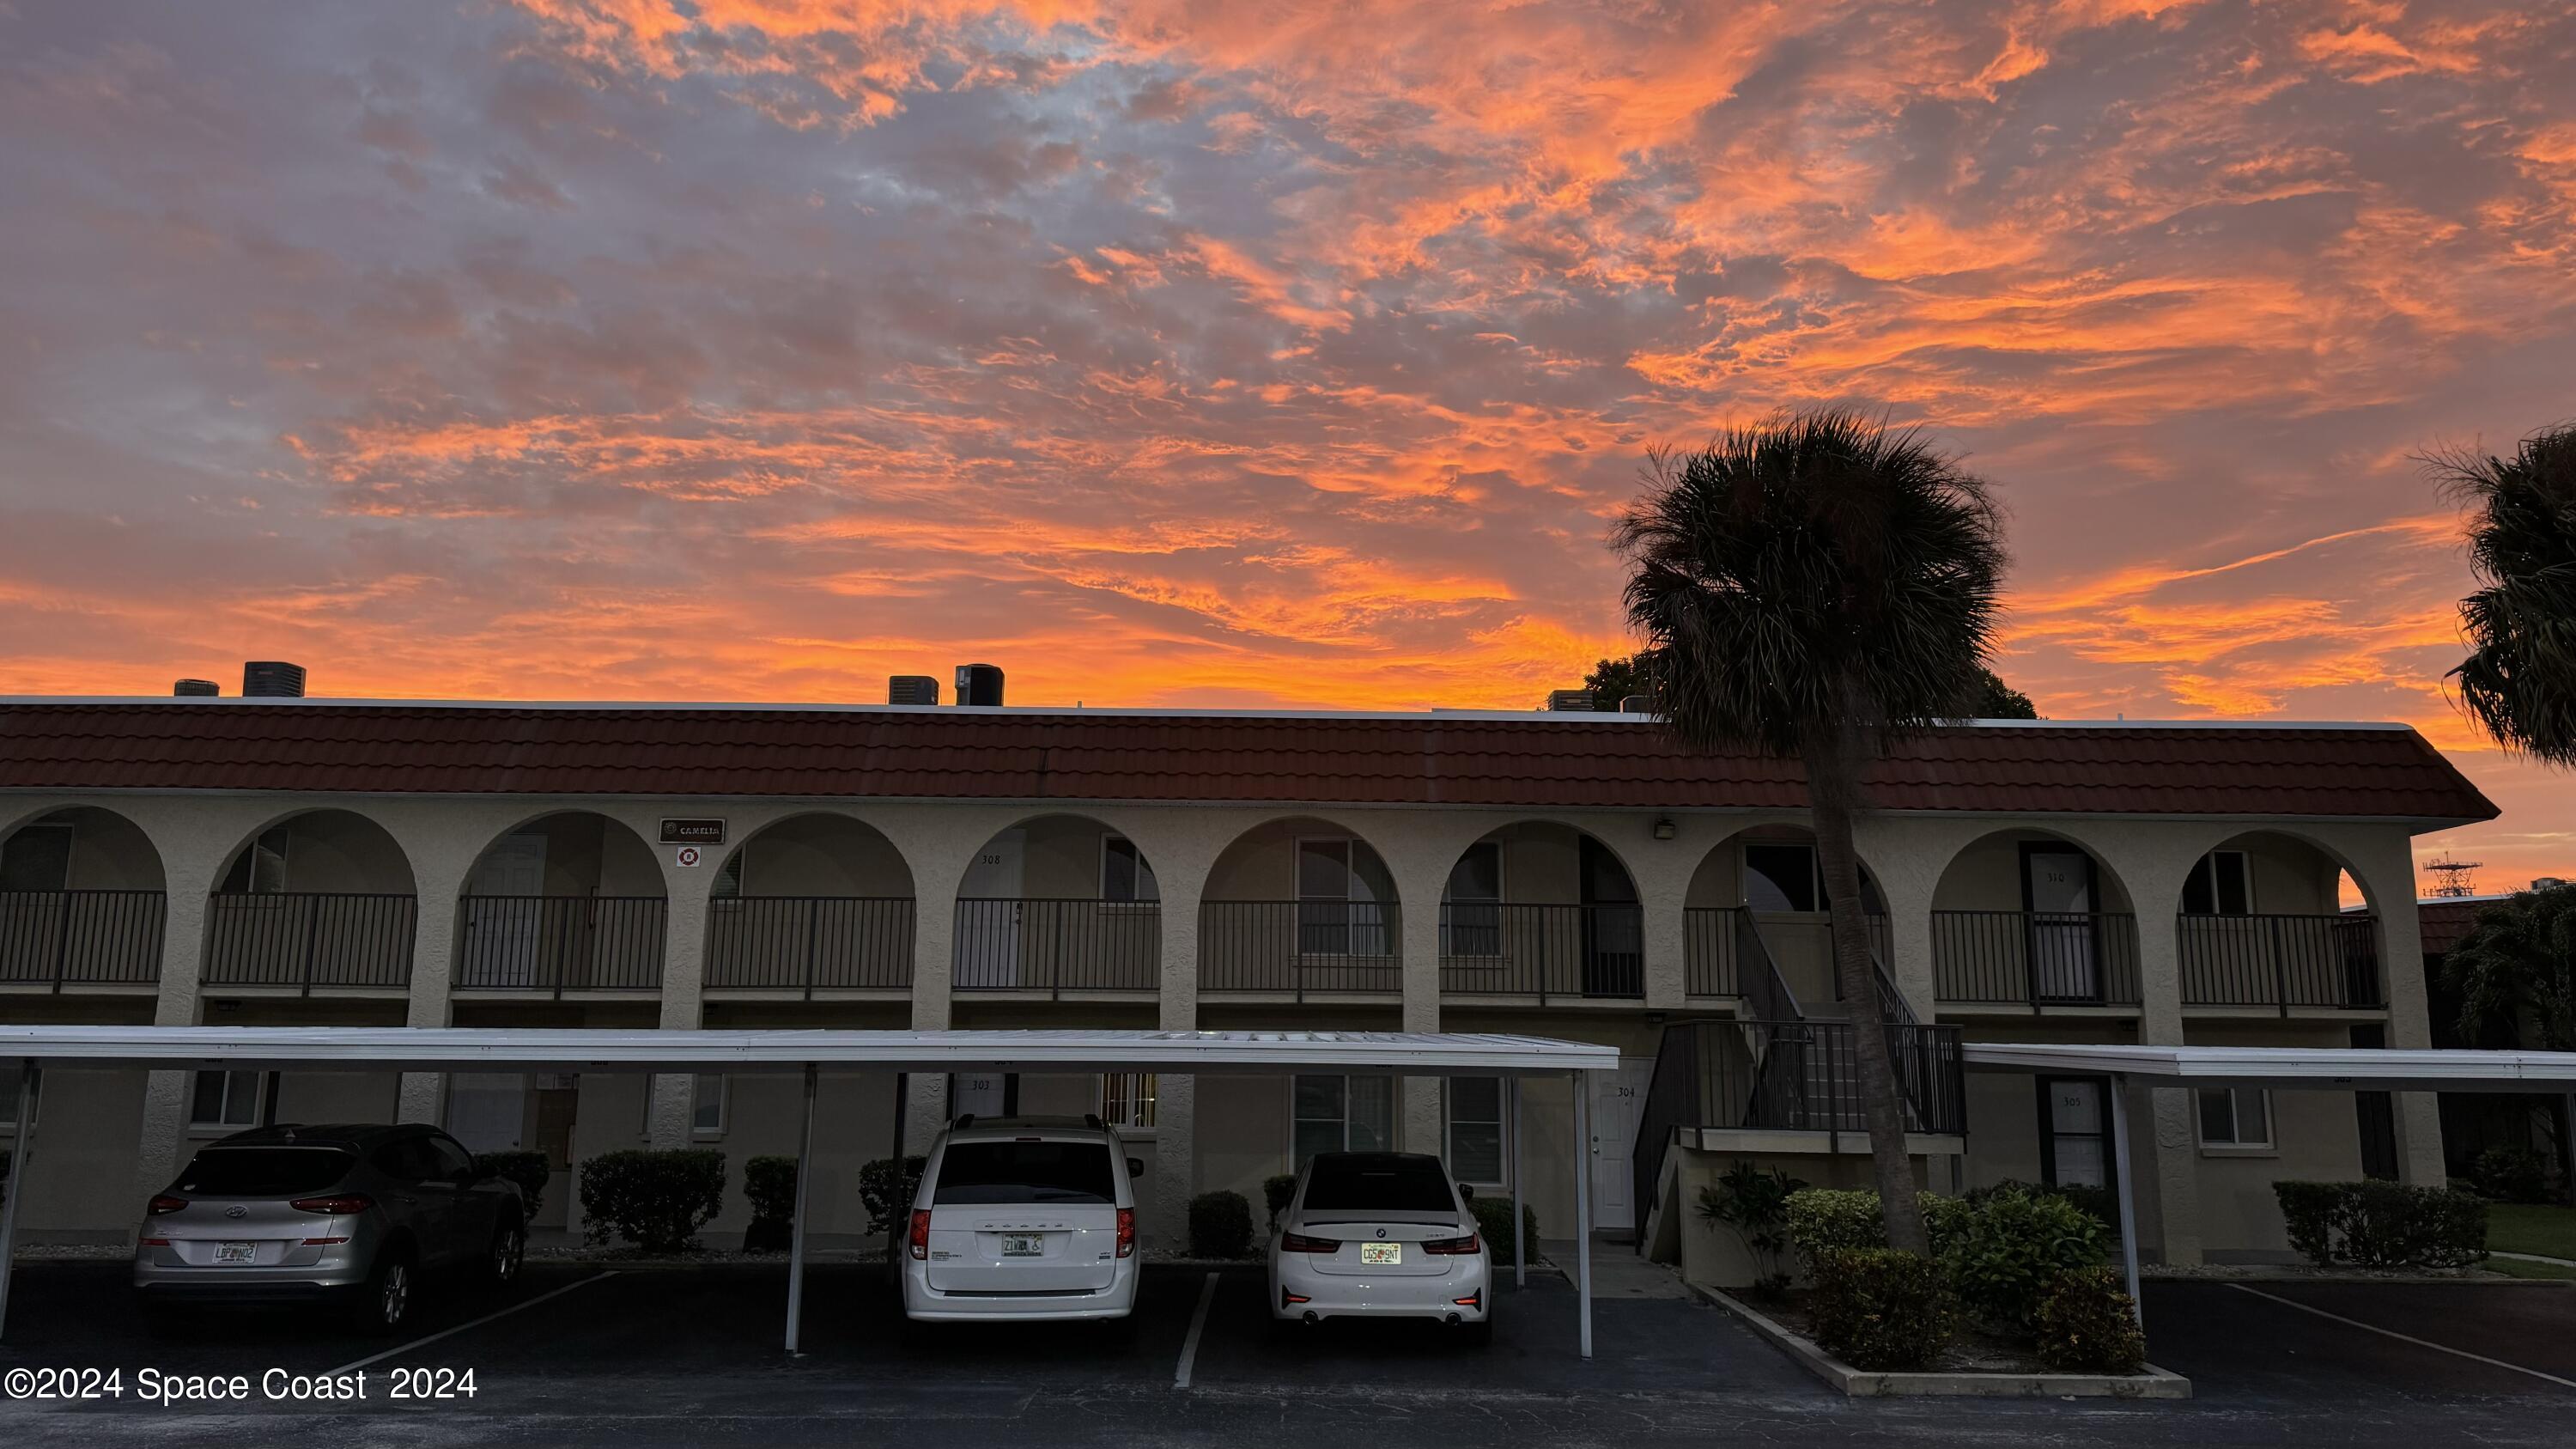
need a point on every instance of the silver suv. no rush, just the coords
(348, 1214)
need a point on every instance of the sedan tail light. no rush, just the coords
(165, 1203)
(920, 1234)
(1450, 1247)
(1126, 1232)
(1294, 1243)
(337, 1205)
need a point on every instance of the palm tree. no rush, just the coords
(2515, 972)
(2519, 681)
(1819, 585)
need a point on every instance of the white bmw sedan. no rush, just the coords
(1380, 1235)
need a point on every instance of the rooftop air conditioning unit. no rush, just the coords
(195, 689)
(1561, 700)
(979, 684)
(272, 679)
(912, 689)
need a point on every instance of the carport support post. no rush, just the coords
(1520, 1257)
(1583, 1204)
(2128, 1194)
(29, 1080)
(796, 1236)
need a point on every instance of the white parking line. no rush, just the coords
(2406, 1338)
(477, 1323)
(1198, 1325)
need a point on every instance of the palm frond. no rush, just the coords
(2518, 683)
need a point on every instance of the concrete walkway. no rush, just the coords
(1617, 1270)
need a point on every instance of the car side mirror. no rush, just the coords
(1135, 1167)
(1466, 1192)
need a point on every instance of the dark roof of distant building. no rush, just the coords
(1465, 758)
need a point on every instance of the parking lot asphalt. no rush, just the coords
(578, 1354)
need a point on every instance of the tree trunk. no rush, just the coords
(1833, 788)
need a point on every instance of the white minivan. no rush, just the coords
(1027, 1218)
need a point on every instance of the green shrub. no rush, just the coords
(2510, 1174)
(2383, 1224)
(1880, 1309)
(1494, 1220)
(886, 1195)
(770, 1185)
(2087, 1323)
(1220, 1225)
(655, 1200)
(1278, 1192)
(1824, 1220)
(527, 1169)
(2015, 1246)
(2094, 1200)
(1755, 1205)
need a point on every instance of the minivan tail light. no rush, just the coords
(1293, 1243)
(1450, 1247)
(920, 1234)
(165, 1203)
(1126, 1232)
(337, 1205)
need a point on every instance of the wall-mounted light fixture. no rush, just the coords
(1664, 827)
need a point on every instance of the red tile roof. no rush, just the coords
(2444, 920)
(1028, 754)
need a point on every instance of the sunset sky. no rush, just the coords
(1178, 353)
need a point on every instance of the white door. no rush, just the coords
(1618, 1098)
(502, 920)
(2061, 925)
(988, 932)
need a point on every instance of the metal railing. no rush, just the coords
(1787, 1076)
(2035, 958)
(1501, 948)
(557, 944)
(1298, 947)
(1058, 945)
(306, 939)
(81, 938)
(2280, 961)
(1711, 963)
(810, 943)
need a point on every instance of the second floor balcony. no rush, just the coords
(1548, 952)
(311, 940)
(1058, 945)
(2035, 959)
(2280, 963)
(1301, 949)
(551, 945)
(810, 944)
(76, 939)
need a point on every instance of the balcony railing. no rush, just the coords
(810, 943)
(1711, 964)
(1787, 1076)
(1058, 945)
(2280, 961)
(81, 938)
(309, 939)
(1301, 947)
(1490, 948)
(556, 944)
(2036, 959)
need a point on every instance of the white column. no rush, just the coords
(684, 976)
(1583, 1204)
(2176, 1156)
(1183, 882)
(433, 975)
(1419, 894)
(2128, 1193)
(796, 1242)
(166, 1094)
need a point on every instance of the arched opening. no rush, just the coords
(1536, 909)
(812, 903)
(2032, 918)
(81, 902)
(1302, 908)
(1756, 923)
(2261, 925)
(320, 899)
(571, 901)
(1058, 904)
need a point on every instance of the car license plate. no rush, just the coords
(1381, 1252)
(236, 1252)
(1023, 1245)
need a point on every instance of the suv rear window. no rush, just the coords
(265, 1171)
(1379, 1182)
(984, 1173)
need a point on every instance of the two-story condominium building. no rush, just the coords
(280, 862)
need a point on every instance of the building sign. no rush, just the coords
(692, 832)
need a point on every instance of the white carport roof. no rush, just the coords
(432, 1049)
(2317, 1068)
